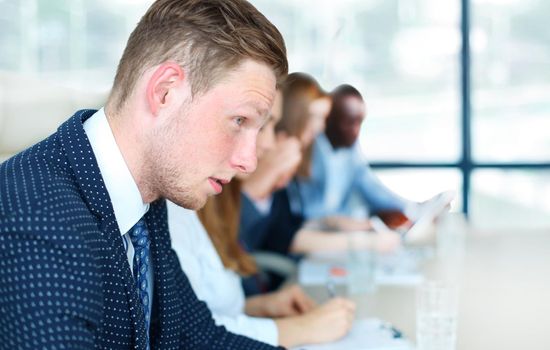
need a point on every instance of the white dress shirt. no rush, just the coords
(123, 191)
(218, 287)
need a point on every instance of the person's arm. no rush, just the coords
(318, 325)
(394, 219)
(261, 329)
(326, 323)
(289, 301)
(202, 332)
(345, 223)
(310, 241)
(377, 195)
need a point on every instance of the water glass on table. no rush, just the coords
(361, 265)
(436, 316)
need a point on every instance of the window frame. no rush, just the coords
(465, 165)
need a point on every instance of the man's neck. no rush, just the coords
(333, 140)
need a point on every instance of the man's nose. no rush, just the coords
(244, 158)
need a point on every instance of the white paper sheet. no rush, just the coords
(366, 334)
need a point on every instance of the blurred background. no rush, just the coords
(458, 91)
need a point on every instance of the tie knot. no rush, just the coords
(139, 235)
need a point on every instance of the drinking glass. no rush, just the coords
(436, 316)
(361, 265)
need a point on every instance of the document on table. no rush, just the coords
(366, 334)
(399, 268)
(428, 211)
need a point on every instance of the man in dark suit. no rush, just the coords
(85, 257)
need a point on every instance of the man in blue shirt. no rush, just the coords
(342, 185)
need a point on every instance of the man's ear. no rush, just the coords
(161, 85)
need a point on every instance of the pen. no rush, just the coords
(396, 333)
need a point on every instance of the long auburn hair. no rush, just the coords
(221, 219)
(299, 91)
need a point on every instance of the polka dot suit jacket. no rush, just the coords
(65, 281)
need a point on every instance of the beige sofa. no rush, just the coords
(31, 109)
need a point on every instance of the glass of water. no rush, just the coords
(361, 265)
(436, 316)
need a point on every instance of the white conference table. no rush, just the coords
(504, 288)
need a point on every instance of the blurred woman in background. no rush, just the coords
(270, 220)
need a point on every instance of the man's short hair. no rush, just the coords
(338, 95)
(345, 90)
(205, 37)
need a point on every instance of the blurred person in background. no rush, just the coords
(214, 261)
(270, 220)
(342, 190)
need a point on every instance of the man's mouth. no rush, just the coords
(217, 184)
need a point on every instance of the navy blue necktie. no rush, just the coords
(139, 235)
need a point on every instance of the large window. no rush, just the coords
(441, 115)
(451, 87)
(409, 60)
(402, 56)
(511, 81)
(69, 42)
(506, 198)
(510, 113)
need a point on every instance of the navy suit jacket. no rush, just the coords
(270, 232)
(65, 281)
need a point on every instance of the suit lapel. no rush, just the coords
(110, 229)
(167, 307)
(80, 155)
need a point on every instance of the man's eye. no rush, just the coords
(239, 120)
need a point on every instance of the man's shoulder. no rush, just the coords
(38, 181)
(42, 213)
(50, 210)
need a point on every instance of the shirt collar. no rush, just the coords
(123, 191)
(323, 142)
